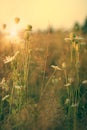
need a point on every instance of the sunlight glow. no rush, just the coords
(13, 33)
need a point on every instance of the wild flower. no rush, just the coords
(10, 58)
(17, 87)
(74, 38)
(3, 85)
(71, 37)
(84, 82)
(55, 67)
(71, 79)
(67, 39)
(54, 80)
(67, 101)
(79, 38)
(74, 104)
(3, 81)
(4, 98)
(68, 84)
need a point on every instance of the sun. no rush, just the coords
(13, 33)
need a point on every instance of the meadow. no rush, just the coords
(43, 81)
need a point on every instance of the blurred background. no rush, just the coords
(43, 13)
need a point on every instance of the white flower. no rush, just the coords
(70, 79)
(3, 81)
(84, 82)
(55, 80)
(74, 37)
(5, 97)
(18, 87)
(79, 38)
(67, 101)
(16, 53)
(55, 67)
(74, 104)
(68, 84)
(67, 39)
(10, 58)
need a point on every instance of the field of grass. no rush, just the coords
(43, 82)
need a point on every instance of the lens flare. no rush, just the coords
(13, 33)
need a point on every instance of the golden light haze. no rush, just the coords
(41, 13)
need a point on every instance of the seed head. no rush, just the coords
(29, 28)
(17, 20)
(4, 26)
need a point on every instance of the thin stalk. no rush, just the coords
(71, 55)
(47, 83)
(19, 100)
(45, 63)
(11, 100)
(75, 120)
(27, 67)
(76, 89)
(65, 73)
(69, 117)
(1, 109)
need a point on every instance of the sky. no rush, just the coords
(42, 13)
